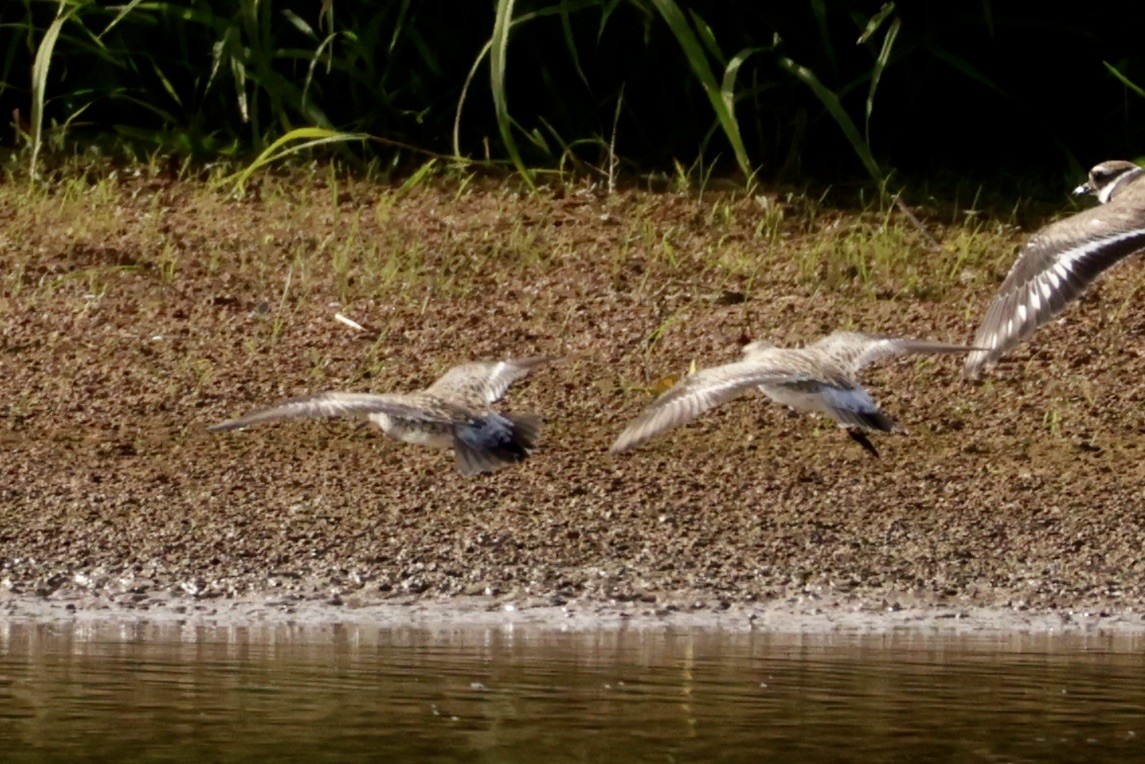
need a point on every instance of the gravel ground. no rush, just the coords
(136, 313)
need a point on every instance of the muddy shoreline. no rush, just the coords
(828, 616)
(137, 314)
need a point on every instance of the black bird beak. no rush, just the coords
(1084, 188)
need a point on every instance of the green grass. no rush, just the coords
(456, 264)
(305, 229)
(558, 87)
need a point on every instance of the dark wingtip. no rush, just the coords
(525, 433)
(526, 430)
(861, 438)
(876, 420)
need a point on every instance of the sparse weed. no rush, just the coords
(280, 314)
(201, 372)
(168, 263)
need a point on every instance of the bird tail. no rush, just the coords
(495, 442)
(859, 422)
(873, 419)
(861, 438)
(853, 407)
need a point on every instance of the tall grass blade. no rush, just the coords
(228, 50)
(727, 87)
(419, 177)
(988, 16)
(1123, 79)
(819, 10)
(564, 8)
(399, 26)
(498, 49)
(612, 159)
(123, 11)
(835, 108)
(461, 99)
(40, 67)
(608, 7)
(876, 22)
(881, 60)
(723, 103)
(707, 37)
(570, 43)
(302, 138)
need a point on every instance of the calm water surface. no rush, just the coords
(178, 692)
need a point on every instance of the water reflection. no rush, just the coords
(164, 692)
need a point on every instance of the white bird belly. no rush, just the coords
(796, 399)
(829, 401)
(436, 436)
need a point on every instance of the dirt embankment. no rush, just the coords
(137, 312)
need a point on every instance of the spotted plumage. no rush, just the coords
(454, 412)
(1061, 260)
(822, 377)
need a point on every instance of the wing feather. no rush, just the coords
(854, 351)
(484, 382)
(698, 393)
(1054, 268)
(334, 404)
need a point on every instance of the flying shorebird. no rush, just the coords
(822, 377)
(454, 412)
(1061, 260)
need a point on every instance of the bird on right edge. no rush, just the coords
(1060, 261)
(822, 377)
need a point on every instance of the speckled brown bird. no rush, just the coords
(822, 377)
(454, 412)
(1060, 261)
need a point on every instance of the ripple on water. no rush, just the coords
(153, 692)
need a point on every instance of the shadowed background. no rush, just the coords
(991, 91)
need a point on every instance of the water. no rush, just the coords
(89, 692)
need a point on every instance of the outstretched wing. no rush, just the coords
(698, 393)
(854, 351)
(345, 404)
(1057, 264)
(483, 382)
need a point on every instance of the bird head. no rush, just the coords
(1105, 177)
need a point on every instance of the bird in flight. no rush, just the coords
(822, 377)
(454, 412)
(1060, 261)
